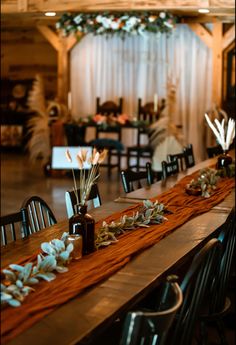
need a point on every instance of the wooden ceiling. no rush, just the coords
(31, 12)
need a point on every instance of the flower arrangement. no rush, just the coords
(18, 279)
(122, 23)
(224, 137)
(149, 213)
(205, 183)
(86, 180)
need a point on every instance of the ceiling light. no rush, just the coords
(203, 10)
(50, 14)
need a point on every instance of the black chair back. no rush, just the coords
(214, 151)
(14, 223)
(195, 286)
(227, 238)
(142, 328)
(71, 200)
(131, 178)
(189, 156)
(75, 134)
(218, 303)
(169, 168)
(109, 107)
(180, 158)
(39, 214)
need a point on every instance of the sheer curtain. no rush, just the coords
(110, 68)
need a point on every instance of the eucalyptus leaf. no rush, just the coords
(48, 276)
(70, 248)
(14, 303)
(61, 269)
(17, 268)
(9, 275)
(64, 256)
(19, 283)
(48, 264)
(32, 281)
(58, 245)
(47, 248)
(5, 296)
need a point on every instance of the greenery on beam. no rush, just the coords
(119, 23)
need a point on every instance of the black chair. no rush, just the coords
(142, 327)
(169, 168)
(71, 201)
(114, 146)
(218, 303)
(13, 223)
(214, 151)
(195, 286)
(39, 214)
(189, 156)
(179, 157)
(75, 134)
(138, 152)
(129, 178)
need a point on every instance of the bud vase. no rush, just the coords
(224, 160)
(83, 224)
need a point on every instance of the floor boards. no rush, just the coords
(21, 179)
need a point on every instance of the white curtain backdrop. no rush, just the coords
(110, 68)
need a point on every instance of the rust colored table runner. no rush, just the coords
(99, 265)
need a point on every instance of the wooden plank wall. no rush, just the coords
(25, 52)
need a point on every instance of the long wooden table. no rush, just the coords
(90, 313)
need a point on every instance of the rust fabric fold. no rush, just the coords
(101, 264)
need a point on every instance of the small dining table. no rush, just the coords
(92, 311)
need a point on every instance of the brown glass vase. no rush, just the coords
(83, 224)
(224, 160)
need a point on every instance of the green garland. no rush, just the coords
(119, 23)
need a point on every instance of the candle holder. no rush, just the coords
(77, 242)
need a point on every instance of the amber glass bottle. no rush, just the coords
(83, 224)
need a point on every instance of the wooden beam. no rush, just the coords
(201, 32)
(22, 5)
(71, 41)
(9, 6)
(217, 75)
(63, 72)
(50, 36)
(228, 37)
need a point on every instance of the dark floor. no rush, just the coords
(20, 179)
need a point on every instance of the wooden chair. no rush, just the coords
(151, 327)
(195, 286)
(129, 178)
(214, 151)
(114, 146)
(169, 168)
(13, 223)
(39, 214)
(109, 107)
(218, 303)
(70, 197)
(139, 151)
(189, 156)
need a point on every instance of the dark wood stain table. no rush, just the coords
(90, 313)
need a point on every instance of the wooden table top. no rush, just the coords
(88, 314)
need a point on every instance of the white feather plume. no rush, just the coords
(224, 138)
(38, 125)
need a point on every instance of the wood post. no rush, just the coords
(217, 42)
(62, 45)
